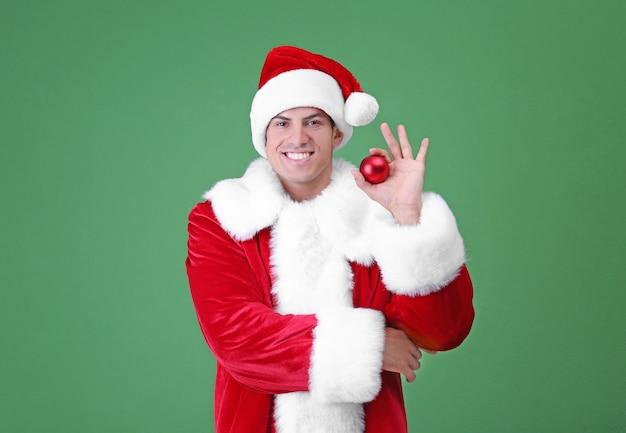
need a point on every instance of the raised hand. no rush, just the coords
(401, 192)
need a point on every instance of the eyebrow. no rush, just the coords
(309, 117)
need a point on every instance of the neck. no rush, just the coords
(304, 192)
(298, 194)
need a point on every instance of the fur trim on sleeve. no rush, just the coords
(419, 259)
(347, 355)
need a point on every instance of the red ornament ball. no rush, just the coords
(375, 168)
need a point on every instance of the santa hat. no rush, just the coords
(292, 77)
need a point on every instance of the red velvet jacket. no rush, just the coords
(332, 355)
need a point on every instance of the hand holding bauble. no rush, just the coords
(374, 168)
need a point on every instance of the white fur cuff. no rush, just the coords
(347, 355)
(420, 259)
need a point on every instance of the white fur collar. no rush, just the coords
(413, 259)
(246, 205)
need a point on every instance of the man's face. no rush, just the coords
(299, 147)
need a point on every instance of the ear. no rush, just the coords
(337, 136)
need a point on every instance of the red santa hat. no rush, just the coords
(292, 77)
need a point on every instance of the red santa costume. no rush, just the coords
(293, 297)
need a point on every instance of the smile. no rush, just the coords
(298, 155)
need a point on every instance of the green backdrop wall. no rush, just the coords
(116, 115)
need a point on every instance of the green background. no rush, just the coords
(116, 115)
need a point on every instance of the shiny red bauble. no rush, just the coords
(375, 168)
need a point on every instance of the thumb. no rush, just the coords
(360, 179)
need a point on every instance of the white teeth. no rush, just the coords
(297, 156)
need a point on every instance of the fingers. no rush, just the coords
(402, 149)
(393, 145)
(410, 376)
(405, 146)
(414, 362)
(381, 152)
(400, 354)
(413, 365)
(416, 352)
(421, 154)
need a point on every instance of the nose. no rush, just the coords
(299, 135)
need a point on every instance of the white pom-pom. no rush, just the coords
(360, 109)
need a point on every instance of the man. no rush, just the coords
(315, 289)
